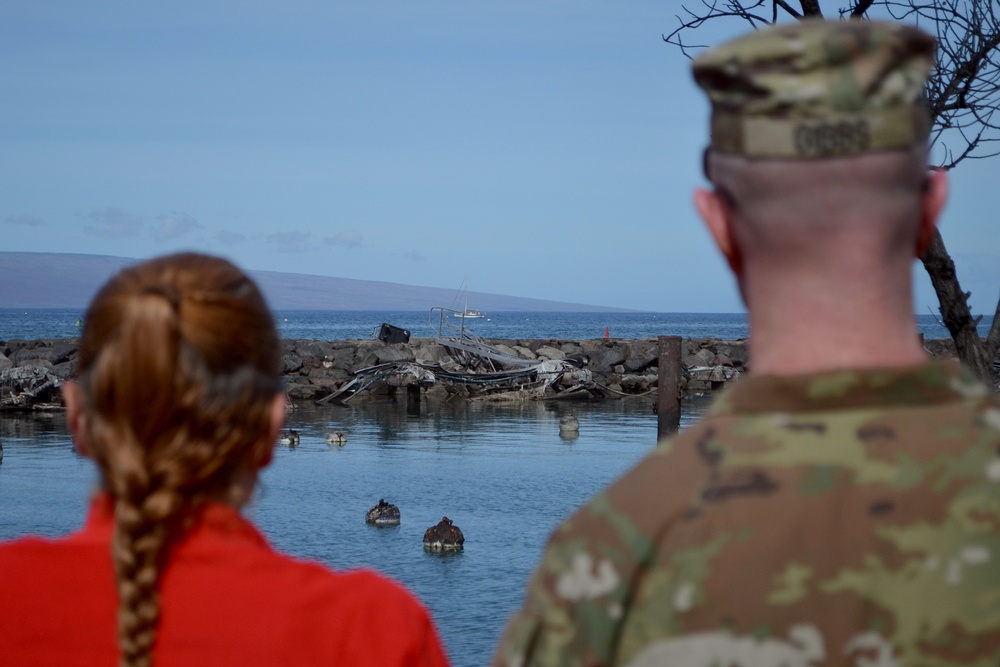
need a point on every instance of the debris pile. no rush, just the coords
(31, 373)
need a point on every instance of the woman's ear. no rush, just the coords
(277, 422)
(74, 416)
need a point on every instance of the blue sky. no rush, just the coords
(544, 149)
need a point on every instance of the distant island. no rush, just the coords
(63, 280)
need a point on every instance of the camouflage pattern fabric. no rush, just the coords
(847, 518)
(818, 89)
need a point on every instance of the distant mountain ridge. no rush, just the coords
(63, 280)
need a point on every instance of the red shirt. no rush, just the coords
(227, 598)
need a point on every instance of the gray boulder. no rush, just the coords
(705, 357)
(571, 349)
(736, 353)
(397, 352)
(606, 357)
(524, 352)
(342, 357)
(314, 348)
(642, 354)
(65, 371)
(291, 362)
(433, 353)
(549, 352)
(55, 353)
(722, 360)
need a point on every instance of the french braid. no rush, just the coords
(178, 368)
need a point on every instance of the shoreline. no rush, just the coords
(31, 371)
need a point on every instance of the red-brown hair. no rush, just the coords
(178, 370)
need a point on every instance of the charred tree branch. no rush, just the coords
(788, 8)
(860, 8)
(993, 337)
(811, 8)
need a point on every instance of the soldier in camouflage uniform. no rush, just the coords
(831, 509)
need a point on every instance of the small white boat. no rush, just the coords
(470, 314)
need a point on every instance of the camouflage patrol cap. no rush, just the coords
(816, 89)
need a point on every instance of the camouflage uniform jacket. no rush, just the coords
(845, 518)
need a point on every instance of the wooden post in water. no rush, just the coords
(413, 400)
(668, 396)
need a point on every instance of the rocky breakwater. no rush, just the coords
(31, 371)
(500, 369)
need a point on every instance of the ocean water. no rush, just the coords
(500, 471)
(339, 325)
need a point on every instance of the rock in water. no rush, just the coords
(444, 537)
(569, 424)
(383, 514)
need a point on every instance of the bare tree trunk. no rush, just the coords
(811, 8)
(993, 338)
(971, 349)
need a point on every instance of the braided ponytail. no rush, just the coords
(178, 370)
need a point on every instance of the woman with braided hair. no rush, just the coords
(179, 402)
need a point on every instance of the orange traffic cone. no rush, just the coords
(607, 332)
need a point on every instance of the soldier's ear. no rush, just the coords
(933, 197)
(716, 210)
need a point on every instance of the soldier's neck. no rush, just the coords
(801, 329)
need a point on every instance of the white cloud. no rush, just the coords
(348, 238)
(24, 219)
(114, 223)
(174, 225)
(289, 241)
(228, 238)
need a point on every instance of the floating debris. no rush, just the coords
(391, 335)
(383, 514)
(29, 388)
(444, 537)
(491, 373)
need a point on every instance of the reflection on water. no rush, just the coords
(43, 481)
(500, 471)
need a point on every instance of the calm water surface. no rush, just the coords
(342, 324)
(500, 471)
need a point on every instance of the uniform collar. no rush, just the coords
(926, 384)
